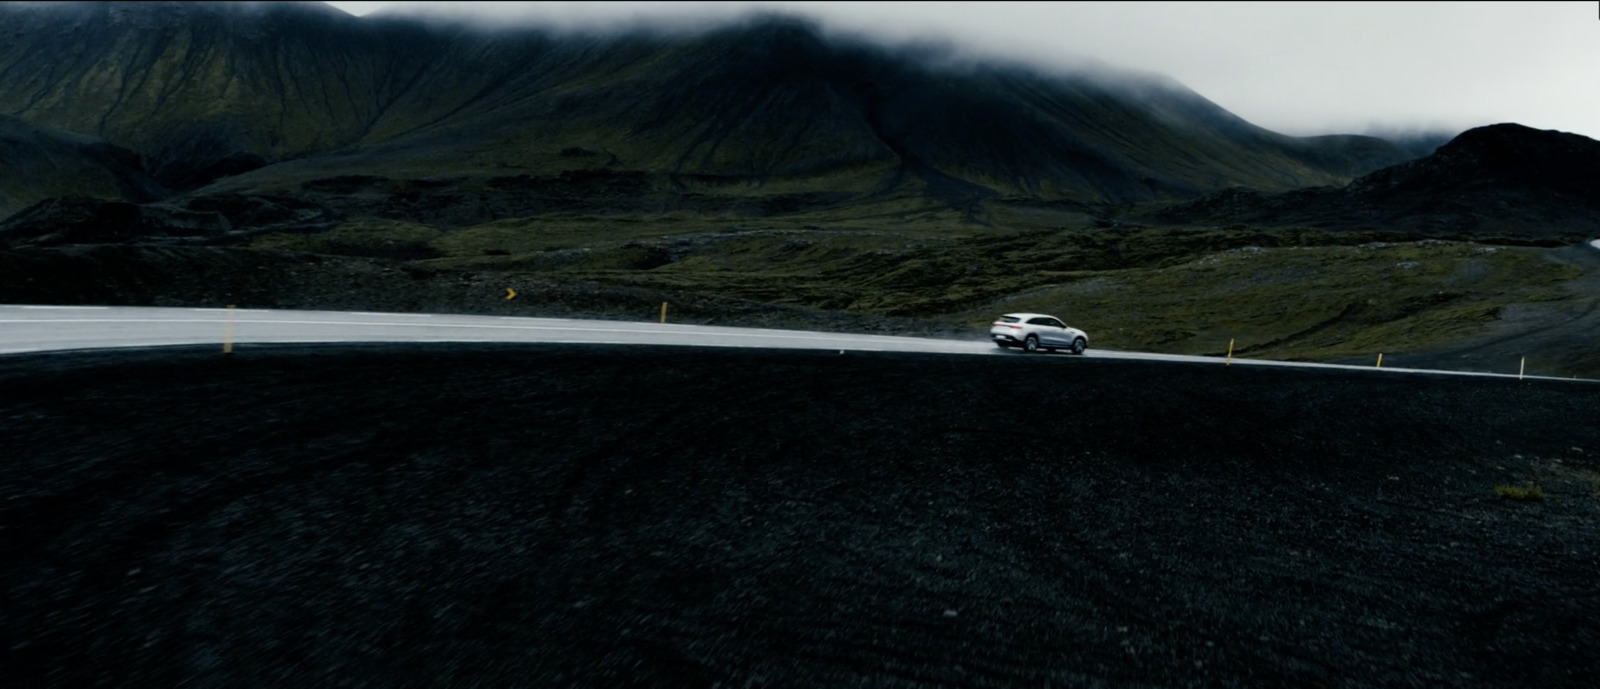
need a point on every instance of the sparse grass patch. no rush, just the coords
(1308, 303)
(368, 237)
(1528, 493)
(508, 236)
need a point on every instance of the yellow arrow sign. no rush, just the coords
(510, 294)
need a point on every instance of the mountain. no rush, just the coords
(1500, 181)
(761, 116)
(41, 163)
(200, 90)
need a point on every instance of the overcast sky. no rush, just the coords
(1299, 68)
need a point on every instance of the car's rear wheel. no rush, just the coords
(1079, 345)
(1031, 344)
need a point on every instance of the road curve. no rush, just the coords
(42, 328)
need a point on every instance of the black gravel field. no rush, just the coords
(521, 516)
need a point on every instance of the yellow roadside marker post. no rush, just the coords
(1523, 368)
(663, 312)
(1380, 360)
(227, 333)
(1229, 362)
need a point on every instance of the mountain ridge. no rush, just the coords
(63, 163)
(214, 92)
(1505, 180)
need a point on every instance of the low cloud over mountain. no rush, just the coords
(272, 96)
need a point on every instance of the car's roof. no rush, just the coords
(1026, 315)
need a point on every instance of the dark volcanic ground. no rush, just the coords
(555, 516)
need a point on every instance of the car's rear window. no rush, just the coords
(1009, 319)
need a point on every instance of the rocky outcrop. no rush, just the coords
(83, 220)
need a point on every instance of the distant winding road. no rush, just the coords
(38, 328)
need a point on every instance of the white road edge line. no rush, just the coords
(479, 326)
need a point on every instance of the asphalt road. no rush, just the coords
(39, 328)
(46, 328)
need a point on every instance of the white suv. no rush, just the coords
(1036, 331)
